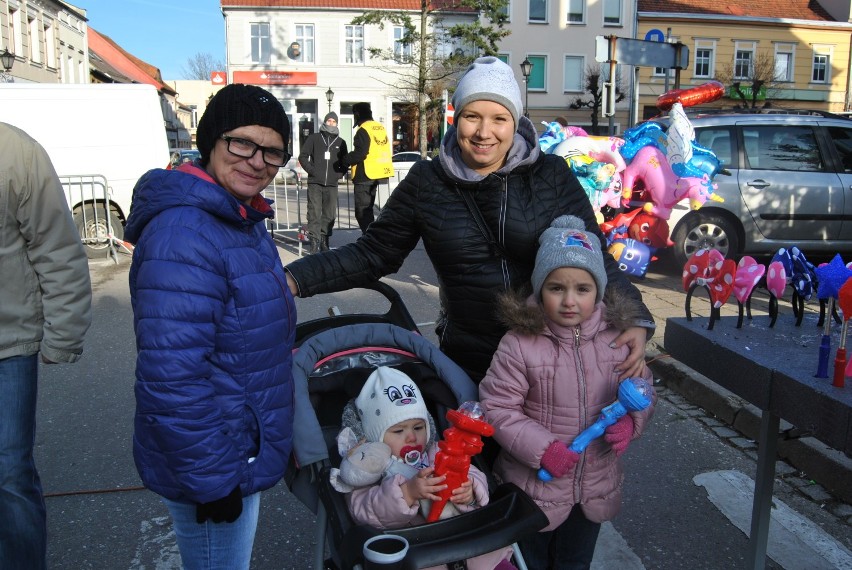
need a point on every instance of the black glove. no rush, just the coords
(226, 509)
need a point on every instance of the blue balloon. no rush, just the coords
(632, 256)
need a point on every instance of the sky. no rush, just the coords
(163, 33)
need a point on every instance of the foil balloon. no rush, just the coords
(632, 256)
(651, 230)
(664, 188)
(553, 135)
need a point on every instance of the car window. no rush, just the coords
(782, 148)
(717, 139)
(842, 139)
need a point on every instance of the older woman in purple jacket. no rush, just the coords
(215, 325)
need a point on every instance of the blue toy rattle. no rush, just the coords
(634, 395)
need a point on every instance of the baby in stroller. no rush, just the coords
(390, 409)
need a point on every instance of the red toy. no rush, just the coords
(461, 442)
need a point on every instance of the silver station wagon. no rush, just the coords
(790, 183)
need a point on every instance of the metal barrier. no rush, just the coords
(290, 199)
(88, 197)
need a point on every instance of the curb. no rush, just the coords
(825, 466)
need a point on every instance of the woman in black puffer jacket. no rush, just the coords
(479, 209)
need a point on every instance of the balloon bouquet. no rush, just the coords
(647, 164)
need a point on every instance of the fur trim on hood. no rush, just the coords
(522, 313)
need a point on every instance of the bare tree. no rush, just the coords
(434, 53)
(761, 75)
(200, 66)
(594, 87)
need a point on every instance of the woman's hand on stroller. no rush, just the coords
(424, 485)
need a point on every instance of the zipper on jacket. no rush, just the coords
(578, 471)
(501, 230)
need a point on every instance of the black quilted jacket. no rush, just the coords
(428, 205)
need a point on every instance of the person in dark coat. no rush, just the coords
(215, 326)
(322, 158)
(478, 208)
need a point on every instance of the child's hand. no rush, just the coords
(463, 494)
(424, 485)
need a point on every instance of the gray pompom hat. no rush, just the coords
(566, 243)
(489, 79)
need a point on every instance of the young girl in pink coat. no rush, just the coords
(551, 376)
(391, 409)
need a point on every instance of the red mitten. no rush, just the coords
(619, 434)
(558, 459)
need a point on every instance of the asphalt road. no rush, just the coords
(100, 518)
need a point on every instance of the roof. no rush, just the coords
(128, 65)
(346, 4)
(785, 9)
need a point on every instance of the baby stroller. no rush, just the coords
(333, 357)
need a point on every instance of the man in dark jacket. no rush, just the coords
(370, 161)
(321, 157)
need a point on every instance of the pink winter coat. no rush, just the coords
(383, 506)
(547, 383)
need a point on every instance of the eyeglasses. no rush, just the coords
(247, 149)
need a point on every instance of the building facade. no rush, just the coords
(798, 52)
(48, 38)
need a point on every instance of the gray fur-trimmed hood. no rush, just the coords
(521, 313)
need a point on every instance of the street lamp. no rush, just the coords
(526, 69)
(329, 96)
(7, 59)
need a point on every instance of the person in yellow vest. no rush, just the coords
(370, 161)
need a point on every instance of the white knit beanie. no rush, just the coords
(566, 243)
(387, 398)
(489, 79)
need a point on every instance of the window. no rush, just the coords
(784, 57)
(261, 42)
(719, 140)
(506, 10)
(504, 57)
(354, 44)
(16, 44)
(49, 45)
(822, 61)
(401, 51)
(538, 75)
(744, 60)
(612, 12)
(704, 63)
(35, 41)
(576, 11)
(782, 148)
(572, 73)
(305, 38)
(538, 11)
(842, 139)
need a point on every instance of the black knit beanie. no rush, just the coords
(239, 105)
(362, 112)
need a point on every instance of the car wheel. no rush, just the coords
(93, 229)
(704, 232)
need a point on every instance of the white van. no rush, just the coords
(101, 138)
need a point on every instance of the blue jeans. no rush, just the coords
(215, 546)
(23, 520)
(570, 546)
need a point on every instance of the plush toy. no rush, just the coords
(364, 463)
